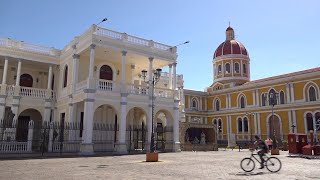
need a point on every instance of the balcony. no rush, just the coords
(11, 90)
(112, 86)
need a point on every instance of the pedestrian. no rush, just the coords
(269, 143)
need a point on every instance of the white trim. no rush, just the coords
(316, 88)
(292, 92)
(214, 104)
(114, 71)
(239, 100)
(197, 102)
(290, 120)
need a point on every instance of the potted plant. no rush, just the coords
(284, 145)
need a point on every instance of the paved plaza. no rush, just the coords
(185, 165)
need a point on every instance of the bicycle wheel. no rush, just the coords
(273, 164)
(247, 164)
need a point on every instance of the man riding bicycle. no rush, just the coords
(262, 148)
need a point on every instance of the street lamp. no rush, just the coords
(293, 126)
(153, 82)
(273, 96)
(103, 20)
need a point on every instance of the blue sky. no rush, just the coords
(280, 36)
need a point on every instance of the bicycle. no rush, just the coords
(273, 164)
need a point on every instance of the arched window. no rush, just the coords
(272, 97)
(217, 105)
(312, 94)
(236, 68)
(106, 73)
(194, 104)
(239, 125)
(215, 122)
(65, 77)
(228, 68)
(219, 126)
(245, 124)
(281, 97)
(242, 102)
(244, 68)
(26, 80)
(309, 119)
(263, 99)
(219, 69)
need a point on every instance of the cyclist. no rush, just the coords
(262, 148)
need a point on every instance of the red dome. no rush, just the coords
(230, 47)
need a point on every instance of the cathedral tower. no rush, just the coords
(231, 63)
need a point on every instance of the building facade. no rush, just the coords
(90, 96)
(238, 109)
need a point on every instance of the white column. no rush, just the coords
(292, 92)
(227, 101)
(175, 76)
(49, 77)
(255, 123)
(87, 145)
(91, 66)
(257, 97)
(75, 64)
(288, 93)
(232, 68)
(241, 68)
(5, 71)
(132, 73)
(200, 105)
(205, 104)
(121, 146)
(18, 73)
(176, 126)
(222, 68)
(259, 125)
(123, 67)
(290, 120)
(295, 120)
(189, 102)
(170, 76)
(254, 97)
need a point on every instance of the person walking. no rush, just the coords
(269, 143)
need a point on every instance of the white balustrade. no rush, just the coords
(10, 90)
(33, 92)
(138, 41)
(106, 85)
(132, 39)
(66, 146)
(13, 147)
(162, 92)
(108, 33)
(137, 89)
(8, 43)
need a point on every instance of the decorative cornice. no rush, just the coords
(89, 90)
(76, 56)
(88, 100)
(124, 53)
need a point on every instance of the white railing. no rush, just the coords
(137, 89)
(10, 90)
(106, 85)
(33, 92)
(162, 92)
(13, 147)
(136, 40)
(81, 85)
(108, 33)
(8, 43)
(132, 39)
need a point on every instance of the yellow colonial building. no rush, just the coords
(234, 109)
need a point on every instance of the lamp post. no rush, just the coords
(153, 82)
(273, 96)
(103, 20)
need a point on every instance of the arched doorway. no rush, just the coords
(136, 129)
(164, 131)
(106, 73)
(26, 80)
(275, 128)
(105, 129)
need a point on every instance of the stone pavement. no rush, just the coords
(183, 165)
